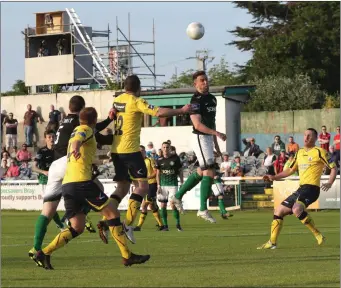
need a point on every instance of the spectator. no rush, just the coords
(3, 117)
(280, 162)
(4, 150)
(150, 147)
(289, 162)
(237, 169)
(159, 153)
(25, 170)
(334, 155)
(11, 132)
(13, 170)
(292, 146)
(337, 139)
(172, 150)
(225, 166)
(5, 160)
(278, 145)
(54, 118)
(183, 159)
(153, 154)
(29, 123)
(269, 160)
(251, 148)
(324, 138)
(23, 154)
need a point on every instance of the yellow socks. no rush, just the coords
(61, 240)
(134, 205)
(157, 217)
(276, 227)
(309, 223)
(143, 217)
(116, 229)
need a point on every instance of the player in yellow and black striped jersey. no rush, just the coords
(309, 161)
(150, 199)
(79, 188)
(127, 159)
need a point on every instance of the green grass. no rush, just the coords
(204, 255)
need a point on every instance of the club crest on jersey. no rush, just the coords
(171, 163)
(310, 158)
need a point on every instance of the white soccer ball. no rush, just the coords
(195, 31)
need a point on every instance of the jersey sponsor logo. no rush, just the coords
(68, 120)
(120, 107)
(211, 109)
(151, 107)
(168, 172)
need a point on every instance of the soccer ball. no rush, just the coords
(195, 31)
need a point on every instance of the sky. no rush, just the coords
(171, 20)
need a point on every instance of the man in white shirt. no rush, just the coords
(225, 166)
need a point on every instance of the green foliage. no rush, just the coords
(290, 38)
(218, 75)
(113, 85)
(18, 88)
(332, 101)
(56, 88)
(279, 93)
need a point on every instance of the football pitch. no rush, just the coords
(203, 255)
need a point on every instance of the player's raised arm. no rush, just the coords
(333, 170)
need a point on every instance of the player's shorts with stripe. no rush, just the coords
(53, 189)
(218, 189)
(203, 149)
(78, 195)
(129, 166)
(151, 196)
(306, 194)
(167, 192)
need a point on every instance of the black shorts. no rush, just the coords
(151, 196)
(306, 194)
(129, 166)
(77, 195)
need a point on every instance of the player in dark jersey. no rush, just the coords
(168, 169)
(42, 163)
(204, 106)
(53, 191)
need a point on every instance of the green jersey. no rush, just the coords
(206, 107)
(44, 159)
(169, 170)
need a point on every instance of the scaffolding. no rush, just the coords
(100, 62)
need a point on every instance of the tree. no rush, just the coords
(290, 38)
(280, 93)
(218, 75)
(18, 88)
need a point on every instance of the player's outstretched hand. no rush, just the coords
(187, 109)
(326, 186)
(112, 113)
(268, 178)
(221, 136)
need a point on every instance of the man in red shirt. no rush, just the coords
(324, 138)
(24, 154)
(337, 139)
(280, 162)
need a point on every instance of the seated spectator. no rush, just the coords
(280, 162)
(153, 154)
(289, 162)
(25, 170)
(150, 147)
(251, 148)
(225, 166)
(277, 146)
(159, 153)
(334, 156)
(268, 161)
(237, 169)
(3, 150)
(13, 170)
(23, 154)
(292, 146)
(5, 160)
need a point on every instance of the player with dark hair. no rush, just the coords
(127, 158)
(150, 198)
(79, 188)
(309, 161)
(204, 106)
(42, 163)
(168, 169)
(53, 191)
